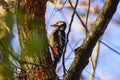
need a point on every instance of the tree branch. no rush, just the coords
(79, 17)
(72, 18)
(83, 53)
(95, 60)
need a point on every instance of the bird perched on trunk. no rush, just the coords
(57, 41)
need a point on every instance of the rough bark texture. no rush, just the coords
(33, 40)
(83, 53)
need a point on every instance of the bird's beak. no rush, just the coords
(54, 25)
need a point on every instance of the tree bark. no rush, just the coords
(35, 54)
(83, 52)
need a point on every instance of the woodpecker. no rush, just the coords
(57, 41)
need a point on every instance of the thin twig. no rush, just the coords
(109, 47)
(88, 13)
(69, 54)
(95, 60)
(72, 18)
(54, 11)
(63, 5)
(79, 17)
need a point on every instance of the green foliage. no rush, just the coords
(5, 64)
(19, 16)
(6, 73)
(9, 19)
(36, 43)
(6, 24)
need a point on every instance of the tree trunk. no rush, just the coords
(36, 62)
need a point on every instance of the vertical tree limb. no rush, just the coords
(95, 60)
